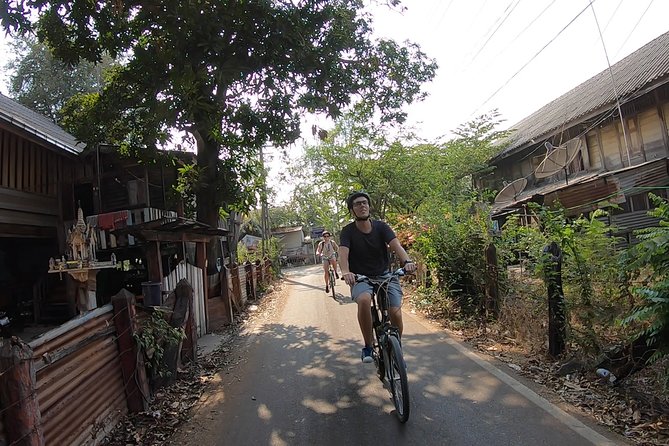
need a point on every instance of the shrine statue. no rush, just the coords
(81, 240)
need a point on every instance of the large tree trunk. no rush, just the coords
(208, 194)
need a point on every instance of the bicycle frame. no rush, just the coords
(387, 350)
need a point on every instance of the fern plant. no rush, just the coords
(650, 266)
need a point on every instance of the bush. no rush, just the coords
(649, 268)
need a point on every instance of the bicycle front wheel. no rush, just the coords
(397, 375)
(332, 285)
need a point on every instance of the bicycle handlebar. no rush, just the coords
(399, 272)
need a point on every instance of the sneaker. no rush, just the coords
(327, 289)
(336, 275)
(366, 355)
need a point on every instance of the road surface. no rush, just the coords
(301, 382)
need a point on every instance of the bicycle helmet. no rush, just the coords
(353, 195)
(326, 233)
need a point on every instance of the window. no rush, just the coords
(638, 202)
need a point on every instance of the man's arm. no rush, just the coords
(405, 260)
(319, 248)
(346, 274)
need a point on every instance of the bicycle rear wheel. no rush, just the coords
(397, 375)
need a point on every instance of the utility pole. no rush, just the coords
(264, 213)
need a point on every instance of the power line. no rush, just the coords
(443, 14)
(615, 87)
(532, 22)
(615, 11)
(496, 29)
(633, 29)
(517, 36)
(532, 59)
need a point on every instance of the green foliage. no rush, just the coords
(589, 266)
(453, 248)
(186, 179)
(272, 251)
(650, 267)
(401, 175)
(154, 335)
(44, 84)
(234, 75)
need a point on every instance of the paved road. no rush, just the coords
(302, 383)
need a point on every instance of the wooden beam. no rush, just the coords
(27, 231)
(135, 381)
(164, 236)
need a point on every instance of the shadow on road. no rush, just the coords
(300, 385)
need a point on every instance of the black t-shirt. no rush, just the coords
(368, 253)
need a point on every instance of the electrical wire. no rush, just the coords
(633, 29)
(532, 23)
(615, 11)
(508, 14)
(443, 14)
(615, 86)
(531, 59)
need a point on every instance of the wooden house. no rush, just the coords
(294, 248)
(38, 164)
(45, 177)
(603, 142)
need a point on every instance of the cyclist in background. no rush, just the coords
(364, 250)
(327, 249)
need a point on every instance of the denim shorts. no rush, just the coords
(394, 289)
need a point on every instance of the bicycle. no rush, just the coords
(331, 279)
(388, 355)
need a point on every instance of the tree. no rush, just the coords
(45, 84)
(234, 74)
(403, 174)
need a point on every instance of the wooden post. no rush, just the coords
(236, 288)
(557, 323)
(250, 285)
(18, 394)
(491, 280)
(132, 361)
(260, 270)
(225, 293)
(154, 262)
(189, 348)
(201, 262)
(183, 295)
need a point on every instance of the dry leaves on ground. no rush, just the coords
(171, 406)
(637, 407)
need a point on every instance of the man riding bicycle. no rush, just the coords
(327, 249)
(364, 250)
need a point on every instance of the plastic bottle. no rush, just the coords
(606, 375)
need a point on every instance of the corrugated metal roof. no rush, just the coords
(286, 229)
(633, 73)
(17, 115)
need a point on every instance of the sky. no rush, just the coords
(511, 55)
(515, 55)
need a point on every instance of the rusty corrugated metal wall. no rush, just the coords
(79, 380)
(652, 174)
(585, 196)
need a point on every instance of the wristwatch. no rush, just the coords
(406, 261)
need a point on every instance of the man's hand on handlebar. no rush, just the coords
(409, 267)
(349, 278)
